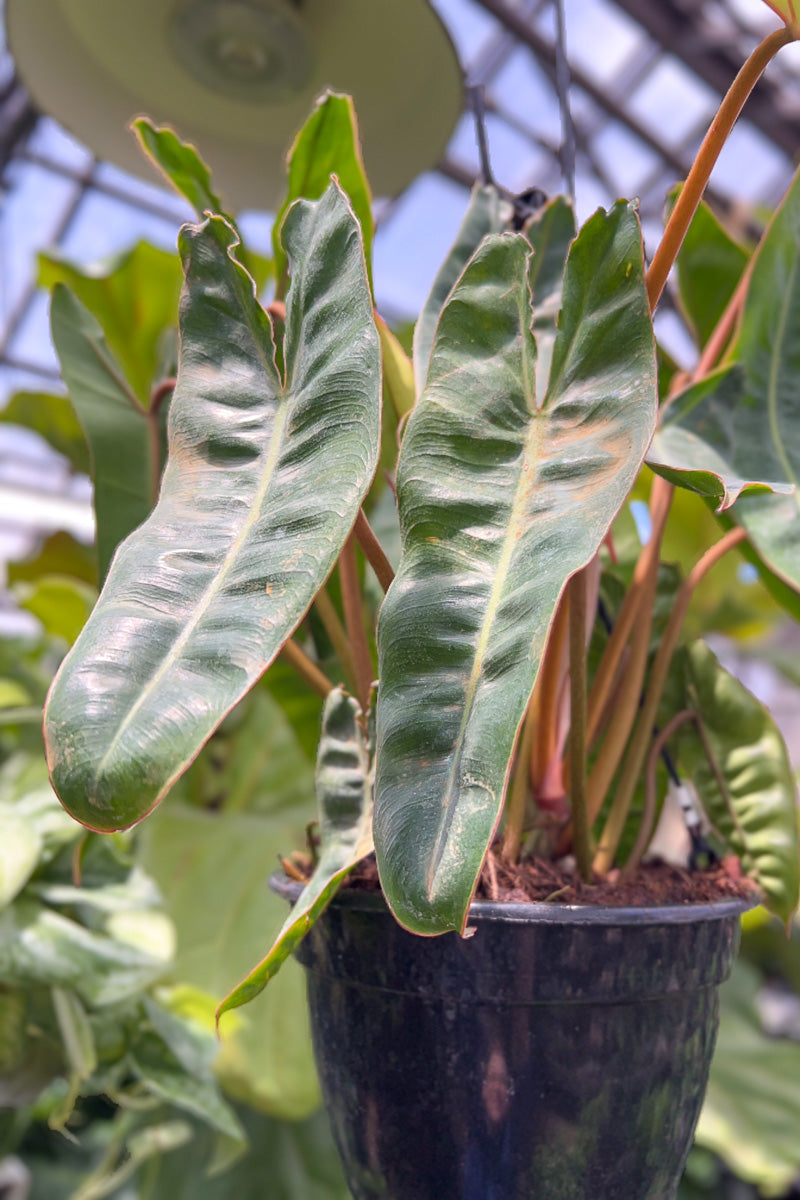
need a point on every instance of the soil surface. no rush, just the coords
(654, 884)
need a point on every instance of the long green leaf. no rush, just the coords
(344, 794)
(487, 213)
(710, 265)
(328, 144)
(747, 788)
(125, 467)
(262, 487)
(503, 495)
(181, 165)
(550, 233)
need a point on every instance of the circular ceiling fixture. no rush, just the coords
(239, 77)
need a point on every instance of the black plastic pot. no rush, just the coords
(559, 1053)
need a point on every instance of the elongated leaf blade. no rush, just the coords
(712, 442)
(502, 497)
(328, 144)
(181, 165)
(710, 265)
(344, 794)
(124, 472)
(397, 371)
(758, 816)
(134, 297)
(262, 487)
(550, 233)
(487, 213)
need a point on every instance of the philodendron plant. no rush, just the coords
(528, 652)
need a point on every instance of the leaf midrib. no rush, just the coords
(213, 589)
(530, 454)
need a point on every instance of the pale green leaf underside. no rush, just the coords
(503, 495)
(758, 818)
(344, 795)
(261, 489)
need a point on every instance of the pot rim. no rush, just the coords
(539, 912)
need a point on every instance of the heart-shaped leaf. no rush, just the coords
(503, 495)
(263, 484)
(344, 795)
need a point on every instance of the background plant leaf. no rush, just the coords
(344, 796)
(752, 1106)
(54, 419)
(328, 144)
(180, 164)
(61, 604)
(503, 495)
(146, 684)
(266, 1057)
(287, 1161)
(764, 426)
(710, 265)
(58, 554)
(125, 471)
(134, 297)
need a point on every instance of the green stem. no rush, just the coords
(649, 815)
(338, 635)
(152, 416)
(305, 668)
(637, 594)
(373, 551)
(577, 732)
(354, 621)
(544, 704)
(709, 152)
(647, 718)
(626, 702)
(518, 798)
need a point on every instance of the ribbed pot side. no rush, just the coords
(558, 1053)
